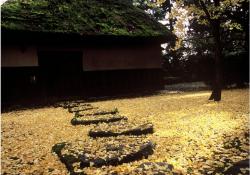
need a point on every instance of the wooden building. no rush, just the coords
(71, 48)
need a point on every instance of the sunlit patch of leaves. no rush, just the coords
(194, 135)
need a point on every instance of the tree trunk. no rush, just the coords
(215, 25)
(216, 85)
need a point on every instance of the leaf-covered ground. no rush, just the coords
(193, 134)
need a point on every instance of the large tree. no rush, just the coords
(217, 29)
(214, 21)
(221, 19)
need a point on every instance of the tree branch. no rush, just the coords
(204, 8)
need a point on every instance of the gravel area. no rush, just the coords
(193, 134)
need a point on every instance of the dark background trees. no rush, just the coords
(215, 46)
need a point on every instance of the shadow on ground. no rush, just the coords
(40, 102)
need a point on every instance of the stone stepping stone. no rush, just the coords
(79, 101)
(241, 167)
(60, 104)
(97, 111)
(102, 152)
(70, 104)
(156, 168)
(120, 128)
(75, 105)
(81, 108)
(87, 120)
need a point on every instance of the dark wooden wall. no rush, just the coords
(62, 74)
(18, 84)
(118, 57)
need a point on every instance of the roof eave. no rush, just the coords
(28, 37)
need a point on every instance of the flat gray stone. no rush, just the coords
(81, 108)
(70, 104)
(87, 120)
(237, 168)
(102, 152)
(121, 128)
(97, 111)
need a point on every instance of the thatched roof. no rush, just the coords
(83, 17)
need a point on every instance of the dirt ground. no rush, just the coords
(193, 134)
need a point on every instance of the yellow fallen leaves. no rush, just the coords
(190, 132)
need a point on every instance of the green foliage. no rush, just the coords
(233, 17)
(218, 12)
(84, 17)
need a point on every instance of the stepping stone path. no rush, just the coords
(95, 116)
(120, 128)
(81, 108)
(96, 111)
(102, 152)
(241, 167)
(87, 120)
(117, 141)
(69, 104)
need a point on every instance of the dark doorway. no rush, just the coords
(61, 73)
